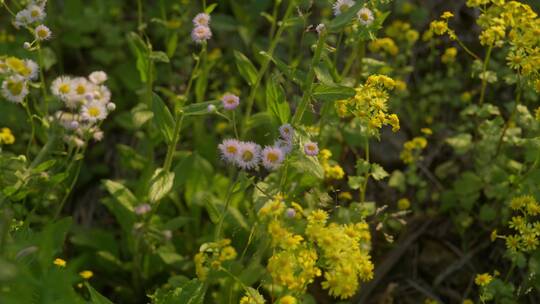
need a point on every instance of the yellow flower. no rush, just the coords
(59, 262)
(449, 55)
(404, 204)
(86, 274)
(6, 137)
(287, 300)
(447, 15)
(483, 279)
(467, 301)
(345, 196)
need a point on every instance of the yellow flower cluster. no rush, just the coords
(402, 31)
(449, 55)
(6, 137)
(412, 149)
(345, 253)
(483, 279)
(440, 27)
(386, 45)
(370, 103)
(212, 255)
(252, 297)
(332, 170)
(294, 268)
(527, 225)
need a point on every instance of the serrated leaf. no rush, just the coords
(163, 118)
(378, 172)
(160, 185)
(323, 92)
(246, 68)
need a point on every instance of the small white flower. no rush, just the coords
(320, 28)
(211, 108)
(272, 157)
(41, 33)
(27, 45)
(365, 16)
(98, 77)
(111, 106)
(340, 6)
(229, 149)
(22, 18)
(62, 87)
(248, 155)
(97, 135)
(81, 87)
(74, 125)
(102, 94)
(33, 69)
(93, 111)
(15, 88)
(36, 13)
(290, 213)
(201, 33)
(201, 19)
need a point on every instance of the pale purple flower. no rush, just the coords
(272, 157)
(249, 155)
(311, 148)
(290, 213)
(229, 149)
(142, 209)
(201, 19)
(287, 132)
(230, 101)
(201, 33)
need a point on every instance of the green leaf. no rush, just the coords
(210, 8)
(276, 103)
(323, 92)
(163, 118)
(356, 182)
(160, 185)
(487, 213)
(95, 296)
(245, 67)
(140, 50)
(158, 56)
(200, 108)
(378, 172)
(122, 204)
(461, 143)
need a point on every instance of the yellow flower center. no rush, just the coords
(247, 155)
(94, 111)
(272, 157)
(231, 149)
(64, 88)
(15, 87)
(80, 89)
(42, 33)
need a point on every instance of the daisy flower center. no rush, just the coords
(35, 13)
(272, 157)
(80, 89)
(94, 111)
(42, 33)
(310, 147)
(64, 88)
(231, 149)
(343, 7)
(15, 88)
(247, 155)
(364, 16)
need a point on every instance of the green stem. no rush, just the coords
(308, 83)
(73, 182)
(507, 123)
(32, 135)
(467, 50)
(352, 59)
(264, 67)
(42, 80)
(484, 78)
(366, 175)
(139, 15)
(225, 209)
(234, 125)
(172, 147)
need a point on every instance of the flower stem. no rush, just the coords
(42, 80)
(366, 175)
(484, 78)
(32, 135)
(264, 67)
(308, 83)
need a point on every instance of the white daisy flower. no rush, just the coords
(248, 156)
(286, 131)
(42, 33)
(62, 87)
(272, 157)
(33, 69)
(101, 93)
(340, 6)
(320, 28)
(15, 88)
(81, 87)
(36, 12)
(98, 77)
(22, 18)
(201, 33)
(93, 111)
(365, 16)
(311, 148)
(229, 149)
(201, 19)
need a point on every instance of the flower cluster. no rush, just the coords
(526, 225)
(386, 45)
(88, 102)
(201, 28)
(6, 137)
(17, 74)
(402, 31)
(248, 155)
(370, 103)
(211, 256)
(332, 170)
(412, 149)
(345, 253)
(31, 18)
